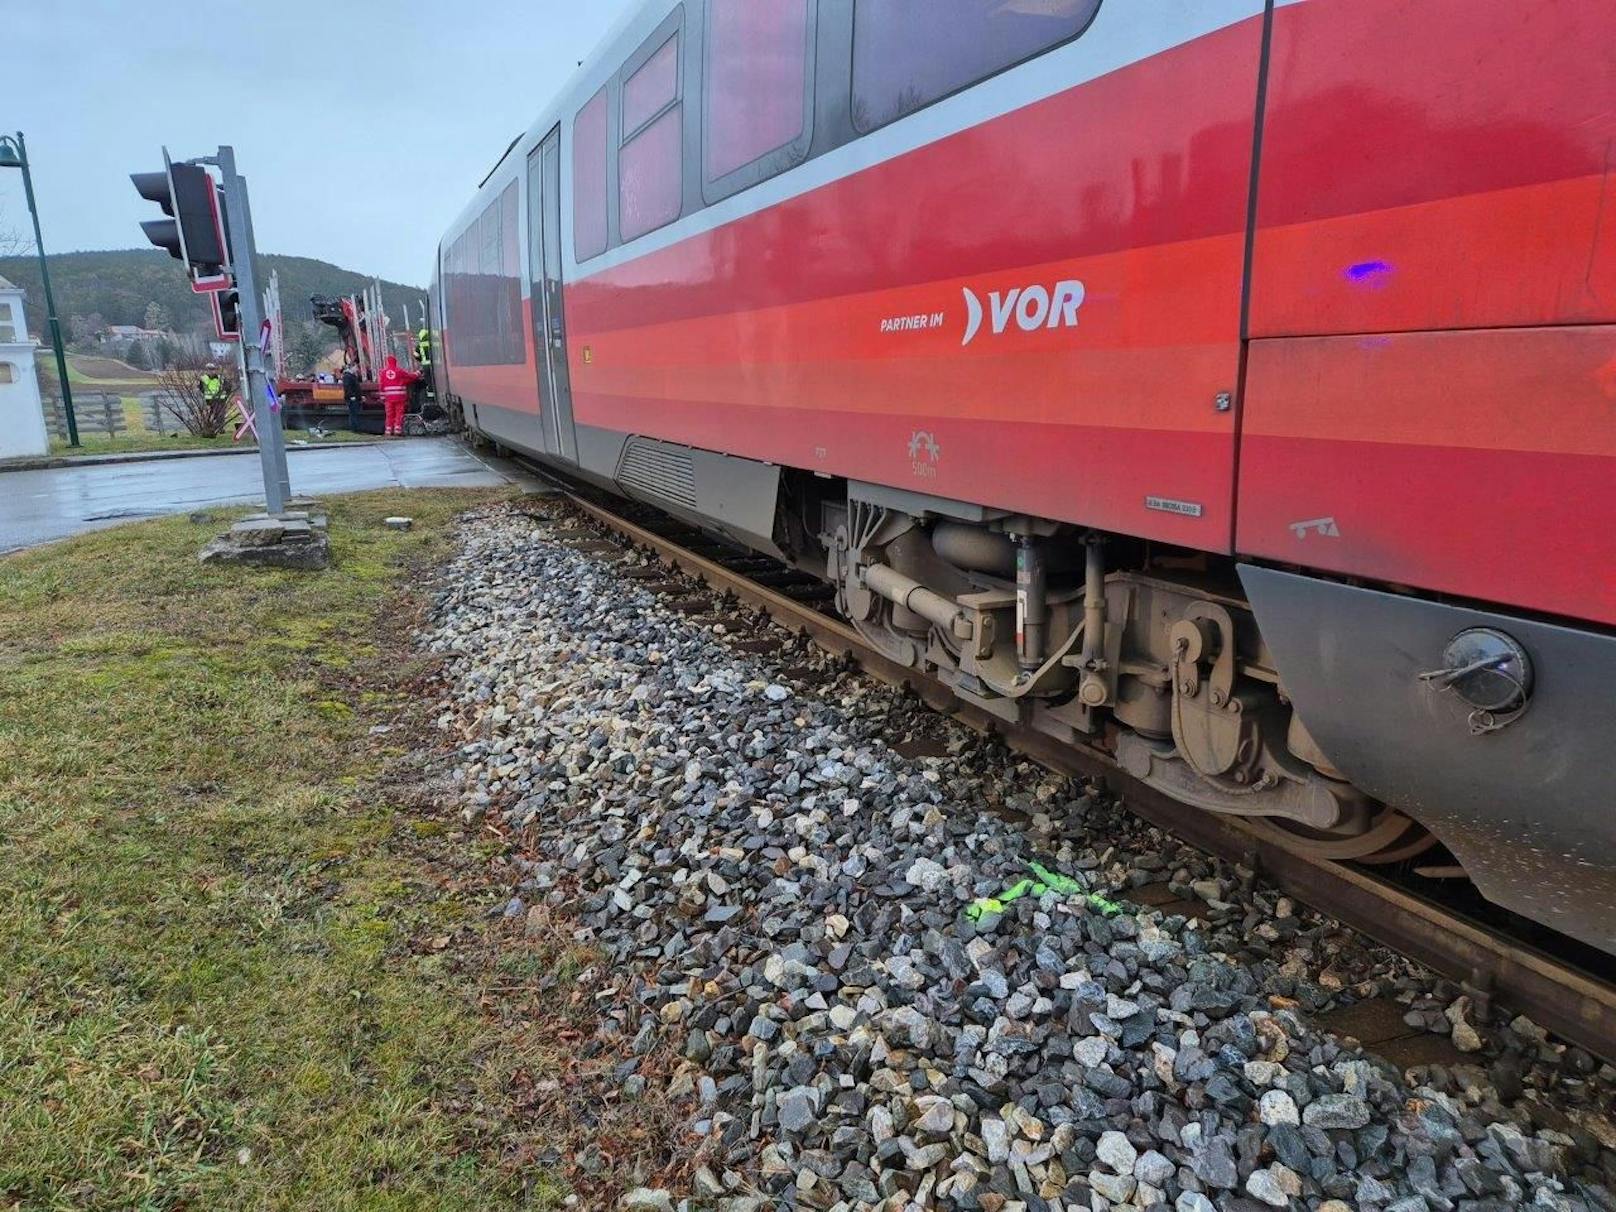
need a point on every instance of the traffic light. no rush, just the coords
(227, 314)
(194, 231)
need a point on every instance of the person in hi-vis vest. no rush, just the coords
(214, 388)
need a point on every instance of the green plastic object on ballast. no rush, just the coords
(1043, 880)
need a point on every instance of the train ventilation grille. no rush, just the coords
(658, 470)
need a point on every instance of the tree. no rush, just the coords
(179, 393)
(12, 242)
(304, 347)
(157, 317)
(136, 356)
(86, 331)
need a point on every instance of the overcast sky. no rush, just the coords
(362, 126)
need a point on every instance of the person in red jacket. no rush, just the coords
(395, 384)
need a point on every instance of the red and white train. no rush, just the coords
(1227, 384)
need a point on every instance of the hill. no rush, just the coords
(120, 285)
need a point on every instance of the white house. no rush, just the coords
(134, 333)
(22, 417)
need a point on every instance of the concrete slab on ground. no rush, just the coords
(41, 506)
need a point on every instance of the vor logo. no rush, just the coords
(1033, 307)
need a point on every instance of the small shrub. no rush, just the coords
(180, 394)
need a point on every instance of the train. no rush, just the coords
(1225, 385)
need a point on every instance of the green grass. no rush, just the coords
(95, 372)
(214, 989)
(140, 441)
(137, 441)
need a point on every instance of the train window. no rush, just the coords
(451, 280)
(485, 288)
(904, 59)
(460, 301)
(488, 241)
(487, 280)
(467, 318)
(466, 303)
(508, 287)
(589, 179)
(757, 86)
(653, 87)
(451, 283)
(650, 168)
(650, 176)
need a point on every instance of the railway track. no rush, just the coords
(1558, 988)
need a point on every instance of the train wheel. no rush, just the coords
(1390, 838)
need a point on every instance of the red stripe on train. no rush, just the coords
(1520, 528)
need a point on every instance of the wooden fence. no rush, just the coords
(95, 412)
(156, 414)
(102, 412)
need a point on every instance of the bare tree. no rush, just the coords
(179, 392)
(86, 329)
(12, 242)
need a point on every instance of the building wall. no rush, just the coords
(22, 418)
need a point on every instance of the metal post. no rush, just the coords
(50, 299)
(359, 338)
(244, 249)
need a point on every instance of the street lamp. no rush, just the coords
(14, 154)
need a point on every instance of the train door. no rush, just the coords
(549, 320)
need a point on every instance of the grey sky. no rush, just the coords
(363, 125)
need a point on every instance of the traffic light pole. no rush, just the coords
(255, 386)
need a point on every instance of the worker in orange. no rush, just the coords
(395, 384)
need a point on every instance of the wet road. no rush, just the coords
(39, 506)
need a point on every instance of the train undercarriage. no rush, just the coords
(1365, 725)
(1151, 655)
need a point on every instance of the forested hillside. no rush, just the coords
(118, 287)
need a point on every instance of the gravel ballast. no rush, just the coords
(780, 896)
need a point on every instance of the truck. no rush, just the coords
(367, 337)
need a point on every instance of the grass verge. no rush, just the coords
(142, 441)
(239, 968)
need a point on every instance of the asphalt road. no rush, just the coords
(39, 506)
